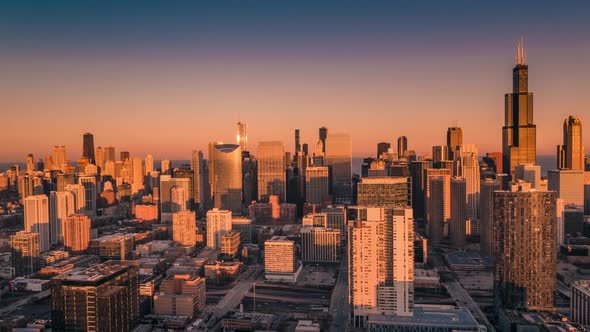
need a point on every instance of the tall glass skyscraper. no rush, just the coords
(519, 134)
(227, 170)
(88, 148)
(570, 155)
(339, 158)
(271, 170)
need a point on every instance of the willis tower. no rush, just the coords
(519, 134)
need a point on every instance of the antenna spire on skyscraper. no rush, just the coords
(520, 56)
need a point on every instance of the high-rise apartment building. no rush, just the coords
(568, 184)
(138, 174)
(385, 191)
(37, 219)
(439, 153)
(457, 225)
(230, 243)
(316, 184)
(179, 199)
(100, 298)
(149, 165)
(88, 148)
(184, 228)
(219, 222)
(571, 154)
(320, 245)
(25, 253)
(271, 170)
(79, 193)
(519, 133)
(525, 237)
(90, 193)
(468, 168)
(180, 295)
(76, 233)
(339, 158)
(446, 175)
(227, 173)
(173, 196)
(486, 210)
(61, 205)
(454, 139)
(381, 264)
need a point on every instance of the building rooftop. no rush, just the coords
(96, 273)
(460, 318)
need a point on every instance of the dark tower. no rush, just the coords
(519, 134)
(88, 148)
(402, 146)
(323, 135)
(297, 142)
(382, 148)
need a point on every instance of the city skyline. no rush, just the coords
(123, 85)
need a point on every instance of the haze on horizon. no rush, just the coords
(169, 78)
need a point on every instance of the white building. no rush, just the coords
(219, 222)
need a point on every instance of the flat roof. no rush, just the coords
(460, 317)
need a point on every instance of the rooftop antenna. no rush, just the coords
(520, 56)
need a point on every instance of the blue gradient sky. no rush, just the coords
(164, 77)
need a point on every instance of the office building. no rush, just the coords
(385, 191)
(219, 222)
(528, 173)
(381, 264)
(439, 153)
(37, 219)
(59, 157)
(519, 133)
(316, 184)
(315, 220)
(79, 193)
(468, 168)
(571, 154)
(454, 140)
(436, 209)
(242, 136)
(323, 134)
(113, 246)
(426, 319)
(580, 302)
(230, 243)
(227, 177)
(99, 157)
(525, 228)
(25, 253)
(382, 148)
(486, 210)
(402, 147)
(184, 228)
(88, 182)
(339, 158)
(568, 184)
(76, 233)
(244, 226)
(457, 226)
(337, 218)
(173, 196)
(418, 175)
(197, 166)
(61, 205)
(280, 263)
(99, 298)
(180, 295)
(271, 170)
(320, 245)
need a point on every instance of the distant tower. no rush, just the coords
(519, 134)
(271, 170)
(323, 136)
(570, 155)
(486, 211)
(59, 156)
(100, 157)
(61, 205)
(30, 163)
(88, 148)
(109, 153)
(227, 172)
(242, 136)
(402, 146)
(382, 148)
(297, 142)
(124, 155)
(339, 158)
(457, 226)
(467, 162)
(37, 219)
(436, 208)
(454, 139)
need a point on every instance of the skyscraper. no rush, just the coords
(271, 170)
(79, 196)
(339, 158)
(568, 184)
(381, 264)
(457, 226)
(468, 168)
(519, 134)
(61, 205)
(37, 219)
(99, 157)
(525, 240)
(439, 153)
(382, 148)
(59, 156)
(179, 202)
(227, 172)
(219, 222)
(197, 165)
(149, 164)
(402, 147)
(124, 156)
(109, 154)
(25, 253)
(454, 139)
(486, 211)
(571, 154)
(436, 208)
(319, 244)
(137, 174)
(323, 134)
(76, 233)
(30, 164)
(184, 228)
(316, 184)
(297, 142)
(88, 148)
(90, 193)
(385, 191)
(241, 137)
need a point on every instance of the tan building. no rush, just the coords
(271, 170)
(525, 238)
(115, 246)
(381, 264)
(219, 222)
(316, 184)
(280, 263)
(230, 243)
(37, 219)
(146, 212)
(180, 295)
(104, 297)
(226, 175)
(467, 162)
(25, 253)
(315, 220)
(184, 228)
(571, 154)
(61, 205)
(385, 191)
(76, 233)
(320, 245)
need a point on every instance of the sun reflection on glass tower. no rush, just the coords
(519, 134)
